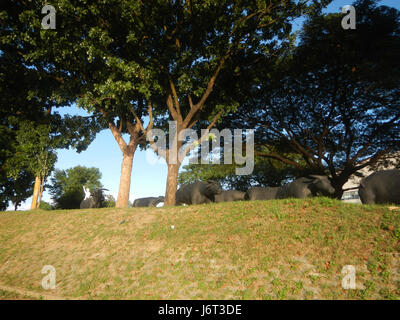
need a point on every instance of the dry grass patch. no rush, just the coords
(283, 249)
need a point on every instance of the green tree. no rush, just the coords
(35, 153)
(200, 53)
(33, 150)
(19, 101)
(30, 131)
(67, 185)
(339, 111)
(109, 201)
(45, 206)
(16, 189)
(267, 172)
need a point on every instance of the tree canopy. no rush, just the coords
(30, 129)
(66, 185)
(334, 98)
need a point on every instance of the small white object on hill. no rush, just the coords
(87, 192)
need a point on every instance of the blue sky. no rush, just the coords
(148, 177)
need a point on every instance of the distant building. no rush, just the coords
(391, 161)
(351, 196)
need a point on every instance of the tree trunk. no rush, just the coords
(36, 190)
(40, 192)
(338, 192)
(39, 197)
(125, 180)
(172, 184)
(338, 184)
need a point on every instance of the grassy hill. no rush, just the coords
(281, 249)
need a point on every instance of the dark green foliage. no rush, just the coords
(66, 189)
(30, 88)
(267, 173)
(109, 201)
(334, 99)
(30, 147)
(45, 206)
(15, 189)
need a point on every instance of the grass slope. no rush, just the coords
(280, 249)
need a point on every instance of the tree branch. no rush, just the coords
(116, 133)
(176, 100)
(208, 91)
(205, 135)
(278, 157)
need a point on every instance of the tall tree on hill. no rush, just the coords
(29, 127)
(200, 53)
(35, 153)
(340, 111)
(128, 59)
(66, 185)
(36, 144)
